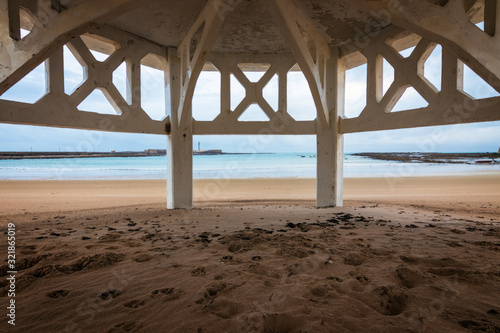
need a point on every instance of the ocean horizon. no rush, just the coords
(238, 166)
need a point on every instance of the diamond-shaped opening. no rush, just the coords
(120, 80)
(30, 88)
(300, 103)
(195, 40)
(100, 47)
(206, 98)
(410, 100)
(153, 86)
(253, 113)
(388, 76)
(475, 86)
(254, 71)
(271, 92)
(355, 91)
(97, 102)
(432, 67)
(404, 43)
(238, 92)
(74, 71)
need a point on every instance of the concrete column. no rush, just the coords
(330, 142)
(179, 143)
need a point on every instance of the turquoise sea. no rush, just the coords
(298, 165)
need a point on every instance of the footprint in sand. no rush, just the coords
(199, 271)
(319, 291)
(58, 293)
(143, 258)
(134, 304)
(354, 259)
(167, 294)
(225, 309)
(409, 277)
(113, 293)
(387, 302)
(214, 289)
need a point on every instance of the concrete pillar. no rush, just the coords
(179, 143)
(330, 142)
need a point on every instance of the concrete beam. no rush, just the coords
(179, 142)
(291, 20)
(57, 109)
(449, 26)
(192, 62)
(51, 31)
(330, 142)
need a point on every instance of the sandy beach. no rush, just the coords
(416, 254)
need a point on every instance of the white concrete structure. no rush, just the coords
(322, 38)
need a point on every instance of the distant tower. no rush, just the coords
(198, 145)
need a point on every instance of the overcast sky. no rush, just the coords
(479, 137)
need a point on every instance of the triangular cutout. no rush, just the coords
(98, 103)
(271, 92)
(99, 56)
(300, 103)
(30, 89)
(410, 100)
(254, 71)
(432, 67)
(404, 43)
(120, 80)
(100, 47)
(253, 113)
(407, 52)
(387, 76)
(74, 72)
(24, 33)
(238, 92)
(476, 86)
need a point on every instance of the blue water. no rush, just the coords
(220, 166)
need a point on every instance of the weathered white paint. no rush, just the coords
(179, 143)
(51, 30)
(330, 141)
(311, 58)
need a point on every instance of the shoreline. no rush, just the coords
(465, 193)
(388, 175)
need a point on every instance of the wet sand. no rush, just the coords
(403, 255)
